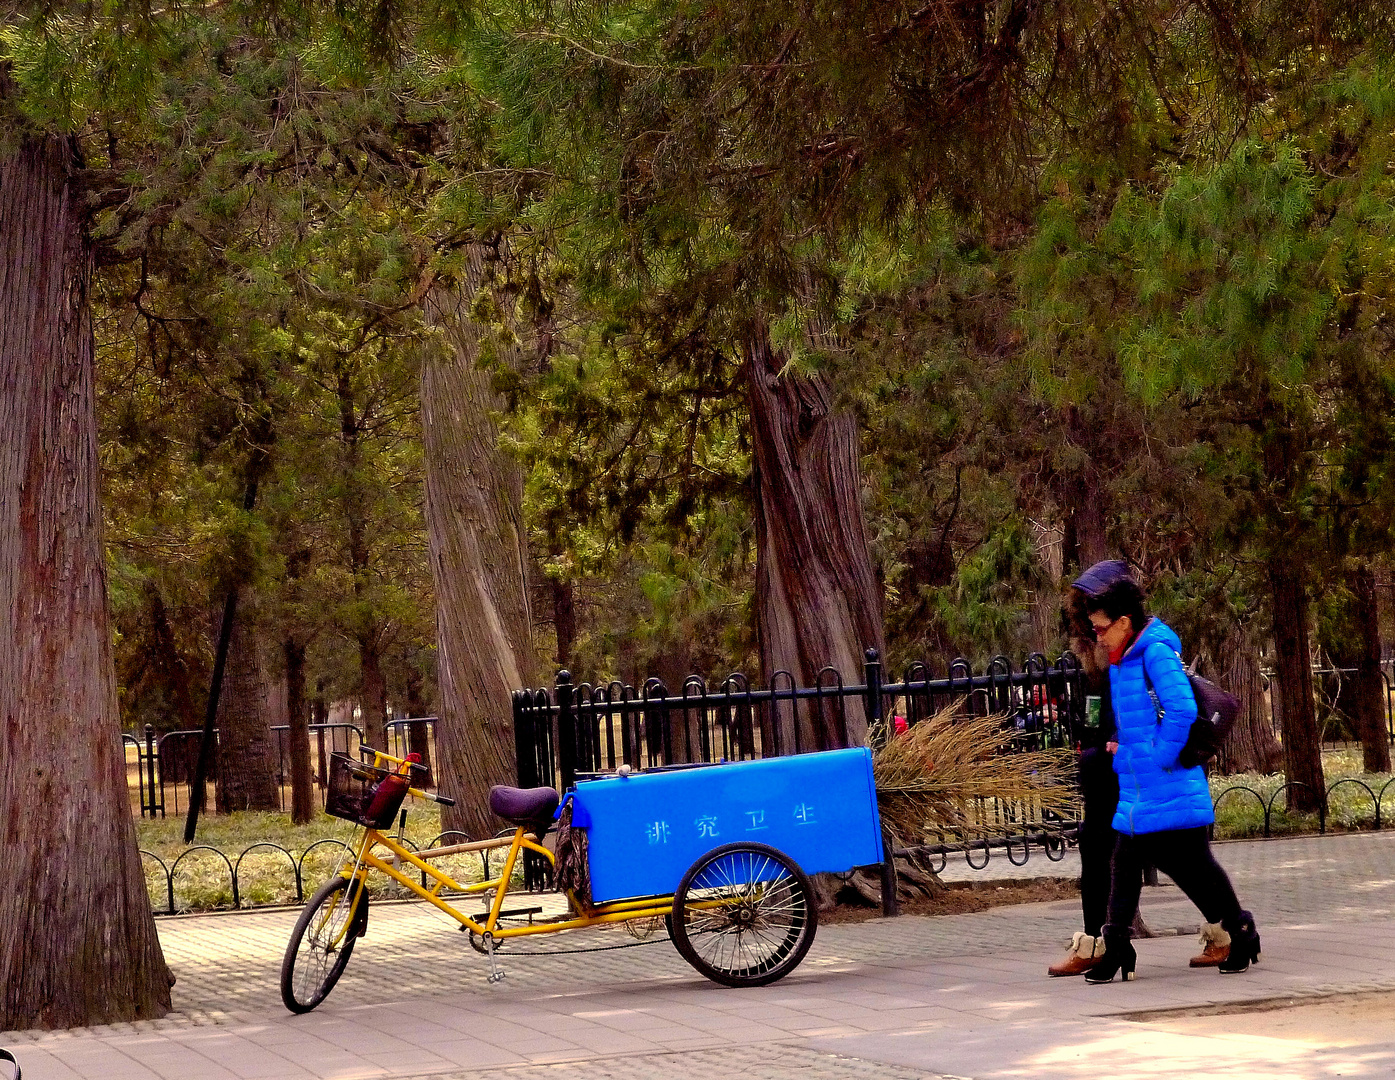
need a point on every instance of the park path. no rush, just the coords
(956, 995)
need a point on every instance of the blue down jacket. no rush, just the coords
(1155, 793)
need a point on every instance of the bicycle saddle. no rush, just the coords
(523, 806)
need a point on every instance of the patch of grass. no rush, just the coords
(1239, 814)
(203, 880)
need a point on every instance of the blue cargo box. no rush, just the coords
(646, 829)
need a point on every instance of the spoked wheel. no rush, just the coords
(744, 915)
(322, 942)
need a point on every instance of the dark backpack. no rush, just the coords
(1216, 712)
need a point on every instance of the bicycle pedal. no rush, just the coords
(495, 976)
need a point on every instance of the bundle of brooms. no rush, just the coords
(945, 773)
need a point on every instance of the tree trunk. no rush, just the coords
(479, 561)
(1085, 540)
(298, 733)
(174, 672)
(247, 766)
(418, 735)
(564, 618)
(77, 940)
(1250, 746)
(1293, 680)
(818, 603)
(1370, 687)
(373, 692)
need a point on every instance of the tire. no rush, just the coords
(744, 915)
(322, 942)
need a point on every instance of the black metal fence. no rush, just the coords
(160, 770)
(575, 730)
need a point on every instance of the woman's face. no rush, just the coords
(1111, 633)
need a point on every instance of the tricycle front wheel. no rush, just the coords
(322, 942)
(744, 915)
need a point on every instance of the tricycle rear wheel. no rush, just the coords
(744, 915)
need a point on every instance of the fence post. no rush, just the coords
(523, 739)
(150, 769)
(566, 731)
(872, 678)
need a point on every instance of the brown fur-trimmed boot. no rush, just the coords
(1085, 952)
(1215, 946)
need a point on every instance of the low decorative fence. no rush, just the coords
(160, 770)
(166, 879)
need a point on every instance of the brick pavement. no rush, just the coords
(957, 995)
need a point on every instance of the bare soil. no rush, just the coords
(961, 898)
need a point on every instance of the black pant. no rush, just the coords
(1100, 788)
(1185, 856)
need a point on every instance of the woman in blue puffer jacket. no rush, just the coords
(1164, 808)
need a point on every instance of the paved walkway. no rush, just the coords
(959, 996)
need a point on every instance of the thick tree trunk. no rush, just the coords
(479, 561)
(1293, 681)
(373, 688)
(564, 618)
(818, 603)
(1251, 745)
(77, 939)
(418, 735)
(174, 672)
(247, 766)
(1085, 540)
(298, 732)
(1370, 687)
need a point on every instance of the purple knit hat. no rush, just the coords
(1101, 576)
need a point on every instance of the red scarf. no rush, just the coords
(1116, 655)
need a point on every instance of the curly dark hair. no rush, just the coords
(1120, 599)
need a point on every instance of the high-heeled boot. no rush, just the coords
(1244, 945)
(1085, 952)
(1119, 958)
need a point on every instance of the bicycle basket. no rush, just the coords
(352, 786)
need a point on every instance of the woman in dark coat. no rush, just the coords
(1164, 807)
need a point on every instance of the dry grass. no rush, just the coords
(953, 773)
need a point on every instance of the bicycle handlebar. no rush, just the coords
(442, 799)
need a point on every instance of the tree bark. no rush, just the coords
(479, 561)
(418, 735)
(298, 732)
(1370, 688)
(564, 618)
(818, 602)
(372, 685)
(1293, 680)
(1251, 745)
(77, 940)
(247, 766)
(174, 672)
(373, 691)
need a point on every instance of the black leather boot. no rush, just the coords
(1119, 958)
(1244, 945)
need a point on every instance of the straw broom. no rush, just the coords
(933, 776)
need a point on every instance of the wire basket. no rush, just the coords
(353, 785)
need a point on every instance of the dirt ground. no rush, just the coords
(960, 898)
(1346, 1020)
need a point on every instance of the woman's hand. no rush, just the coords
(1111, 746)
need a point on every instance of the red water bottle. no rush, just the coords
(390, 792)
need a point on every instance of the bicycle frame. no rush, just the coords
(620, 911)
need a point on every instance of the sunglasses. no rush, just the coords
(1100, 631)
